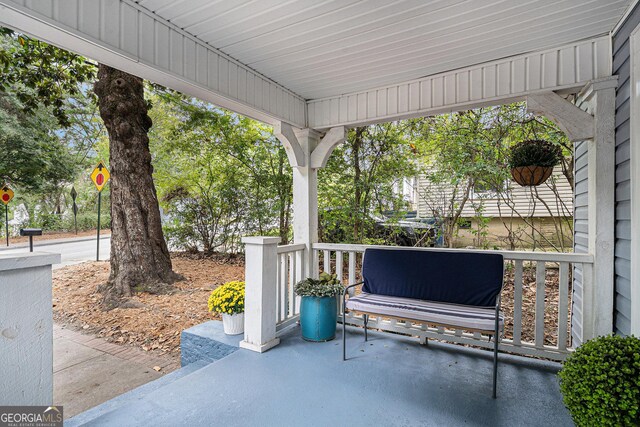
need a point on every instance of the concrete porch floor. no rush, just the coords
(390, 380)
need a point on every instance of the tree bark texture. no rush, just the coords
(139, 255)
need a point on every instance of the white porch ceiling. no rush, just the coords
(320, 49)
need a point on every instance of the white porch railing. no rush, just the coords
(522, 314)
(289, 272)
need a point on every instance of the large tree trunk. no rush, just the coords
(139, 256)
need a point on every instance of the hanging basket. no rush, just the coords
(531, 176)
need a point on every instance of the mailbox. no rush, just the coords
(31, 232)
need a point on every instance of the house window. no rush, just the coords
(488, 188)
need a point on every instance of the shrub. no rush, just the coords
(228, 298)
(327, 285)
(600, 382)
(535, 153)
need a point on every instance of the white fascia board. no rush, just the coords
(567, 68)
(125, 36)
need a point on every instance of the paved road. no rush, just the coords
(73, 250)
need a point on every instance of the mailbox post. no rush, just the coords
(31, 232)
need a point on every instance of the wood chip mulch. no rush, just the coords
(156, 324)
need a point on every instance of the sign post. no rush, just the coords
(6, 194)
(99, 176)
(74, 194)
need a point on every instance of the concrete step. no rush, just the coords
(134, 395)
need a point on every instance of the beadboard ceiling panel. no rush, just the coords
(320, 49)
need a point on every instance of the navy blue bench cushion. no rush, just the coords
(466, 278)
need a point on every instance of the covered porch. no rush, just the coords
(390, 380)
(292, 70)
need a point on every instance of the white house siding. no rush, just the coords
(580, 236)
(621, 67)
(524, 199)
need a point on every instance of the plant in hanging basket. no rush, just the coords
(532, 161)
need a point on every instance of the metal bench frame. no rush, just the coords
(495, 334)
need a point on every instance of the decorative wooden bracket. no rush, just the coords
(295, 151)
(284, 132)
(331, 139)
(577, 124)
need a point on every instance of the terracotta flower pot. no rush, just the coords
(531, 176)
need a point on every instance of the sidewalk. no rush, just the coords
(88, 370)
(48, 242)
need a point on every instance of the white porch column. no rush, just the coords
(307, 151)
(598, 97)
(26, 329)
(260, 293)
(305, 200)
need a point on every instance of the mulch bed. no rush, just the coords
(156, 324)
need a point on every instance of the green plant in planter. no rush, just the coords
(327, 285)
(535, 153)
(319, 306)
(600, 382)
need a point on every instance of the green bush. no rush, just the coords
(535, 153)
(600, 382)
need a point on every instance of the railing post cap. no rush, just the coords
(260, 240)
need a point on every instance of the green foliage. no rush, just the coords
(358, 183)
(31, 156)
(327, 285)
(535, 153)
(40, 74)
(219, 175)
(600, 382)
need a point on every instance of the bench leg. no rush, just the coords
(344, 329)
(366, 320)
(496, 339)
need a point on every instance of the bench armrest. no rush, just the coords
(344, 291)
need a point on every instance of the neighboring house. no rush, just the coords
(489, 215)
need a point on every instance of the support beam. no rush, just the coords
(577, 124)
(305, 199)
(598, 98)
(331, 140)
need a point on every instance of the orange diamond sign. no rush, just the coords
(100, 176)
(6, 194)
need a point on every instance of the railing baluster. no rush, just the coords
(294, 280)
(517, 303)
(327, 262)
(316, 263)
(540, 293)
(563, 305)
(339, 265)
(287, 285)
(352, 271)
(279, 291)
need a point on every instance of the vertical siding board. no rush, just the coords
(403, 98)
(622, 253)
(462, 86)
(584, 54)
(414, 96)
(66, 11)
(438, 91)
(450, 89)
(519, 76)
(147, 38)
(130, 30)
(189, 59)
(534, 72)
(489, 87)
(176, 52)
(381, 102)
(504, 78)
(567, 66)
(223, 75)
(344, 109)
(392, 100)
(549, 69)
(89, 18)
(352, 107)
(425, 94)
(109, 27)
(162, 42)
(201, 65)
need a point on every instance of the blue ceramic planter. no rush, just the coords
(318, 317)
